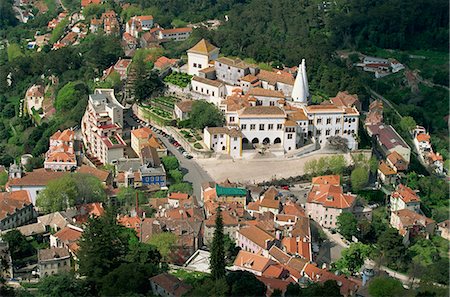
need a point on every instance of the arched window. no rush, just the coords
(277, 140)
(255, 140)
(266, 140)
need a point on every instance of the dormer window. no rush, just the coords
(330, 198)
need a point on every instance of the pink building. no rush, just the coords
(61, 154)
(253, 239)
(326, 201)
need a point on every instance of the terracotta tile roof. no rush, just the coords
(60, 157)
(330, 196)
(68, 235)
(279, 255)
(256, 235)
(406, 194)
(265, 93)
(10, 201)
(172, 285)
(52, 253)
(236, 102)
(270, 199)
(274, 271)
(38, 177)
(285, 218)
(176, 30)
(275, 76)
(435, 157)
(422, 137)
(291, 208)
(345, 99)
(327, 180)
(410, 218)
(228, 220)
(253, 206)
(298, 115)
(163, 62)
(262, 111)
(274, 283)
(347, 287)
(301, 228)
(35, 91)
(65, 136)
(290, 123)
(214, 83)
(250, 78)
(202, 47)
(144, 17)
(387, 135)
(102, 175)
(297, 264)
(324, 108)
(234, 62)
(233, 132)
(144, 132)
(252, 261)
(178, 196)
(397, 160)
(386, 169)
(185, 106)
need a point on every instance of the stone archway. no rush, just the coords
(266, 140)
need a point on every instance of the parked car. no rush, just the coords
(189, 157)
(285, 188)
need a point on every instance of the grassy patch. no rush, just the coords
(198, 146)
(191, 277)
(178, 79)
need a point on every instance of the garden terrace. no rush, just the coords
(178, 79)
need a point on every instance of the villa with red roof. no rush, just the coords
(405, 198)
(61, 154)
(16, 209)
(255, 240)
(327, 201)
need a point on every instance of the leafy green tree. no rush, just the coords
(337, 164)
(101, 51)
(58, 31)
(393, 252)
(164, 242)
(128, 278)
(277, 293)
(211, 287)
(327, 288)
(407, 124)
(64, 284)
(353, 258)
(19, 246)
(103, 246)
(69, 95)
(244, 283)
(70, 190)
(205, 114)
(170, 163)
(146, 83)
(93, 10)
(181, 187)
(176, 175)
(160, 194)
(127, 196)
(3, 178)
(347, 225)
(385, 287)
(359, 178)
(14, 51)
(143, 253)
(373, 164)
(8, 16)
(217, 259)
(231, 249)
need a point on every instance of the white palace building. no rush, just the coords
(266, 108)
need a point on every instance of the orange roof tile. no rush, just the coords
(252, 261)
(68, 235)
(202, 47)
(330, 196)
(10, 201)
(422, 137)
(256, 235)
(178, 196)
(386, 169)
(406, 194)
(274, 271)
(143, 132)
(327, 180)
(265, 93)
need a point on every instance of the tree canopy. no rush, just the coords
(353, 258)
(70, 190)
(359, 178)
(217, 260)
(205, 114)
(385, 287)
(347, 225)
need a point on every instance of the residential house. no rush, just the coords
(389, 140)
(275, 80)
(145, 137)
(53, 261)
(61, 154)
(211, 90)
(386, 173)
(375, 114)
(230, 226)
(67, 238)
(167, 285)
(200, 56)
(396, 162)
(34, 98)
(231, 70)
(345, 99)
(255, 240)
(101, 127)
(16, 209)
(121, 67)
(326, 201)
(175, 34)
(443, 229)
(85, 3)
(251, 262)
(404, 198)
(163, 64)
(183, 109)
(411, 224)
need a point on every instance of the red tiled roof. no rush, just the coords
(327, 180)
(422, 137)
(347, 287)
(330, 196)
(163, 62)
(10, 201)
(171, 284)
(102, 175)
(406, 194)
(274, 271)
(178, 196)
(256, 235)
(68, 235)
(252, 261)
(176, 30)
(397, 160)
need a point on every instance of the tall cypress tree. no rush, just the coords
(217, 261)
